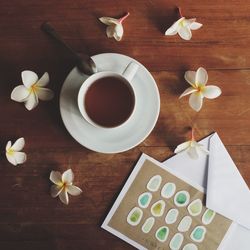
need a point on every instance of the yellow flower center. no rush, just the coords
(10, 151)
(33, 88)
(183, 23)
(199, 87)
(62, 185)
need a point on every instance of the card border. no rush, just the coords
(126, 187)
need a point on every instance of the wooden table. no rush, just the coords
(29, 217)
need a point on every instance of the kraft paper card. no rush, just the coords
(157, 209)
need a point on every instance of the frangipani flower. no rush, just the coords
(192, 147)
(63, 184)
(115, 28)
(183, 27)
(198, 89)
(32, 89)
(13, 154)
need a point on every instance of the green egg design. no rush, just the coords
(134, 216)
(144, 199)
(162, 234)
(198, 234)
(181, 199)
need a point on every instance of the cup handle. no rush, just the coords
(130, 71)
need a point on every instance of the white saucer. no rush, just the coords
(124, 137)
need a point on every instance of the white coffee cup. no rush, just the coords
(125, 77)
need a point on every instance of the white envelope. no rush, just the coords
(226, 190)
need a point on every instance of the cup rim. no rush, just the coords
(84, 88)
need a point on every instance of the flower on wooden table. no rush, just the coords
(13, 152)
(115, 28)
(63, 184)
(192, 148)
(32, 89)
(183, 27)
(199, 89)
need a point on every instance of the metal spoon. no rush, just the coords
(83, 62)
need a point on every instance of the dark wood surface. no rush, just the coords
(29, 217)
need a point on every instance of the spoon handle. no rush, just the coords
(84, 62)
(51, 31)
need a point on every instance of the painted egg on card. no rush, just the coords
(162, 234)
(148, 224)
(158, 208)
(198, 234)
(181, 199)
(134, 216)
(190, 246)
(168, 190)
(154, 183)
(195, 207)
(208, 216)
(185, 224)
(144, 199)
(176, 241)
(172, 216)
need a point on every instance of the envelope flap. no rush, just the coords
(227, 192)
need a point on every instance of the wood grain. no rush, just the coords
(29, 217)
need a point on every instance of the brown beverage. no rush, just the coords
(109, 101)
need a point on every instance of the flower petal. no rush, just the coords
(188, 91)
(201, 76)
(29, 78)
(202, 149)
(8, 145)
(73, 190)
(44, 80)
(182, 147)
(118, 32)
(44, 94)
(19, 93)
(195, 26)
(11, 159)
(109, 20)
(110, 31)
(32, 101)
(172, 30)
(185, 33)
(190, 77)
(117, 37)
(20, 157)
(56, 177)
(55, 190)
(68, 176)
(192, 152)
(188, 22)
(19, 144)
(211, 92)
(63, 195)
(195, 101)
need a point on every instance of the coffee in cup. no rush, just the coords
(109, 101)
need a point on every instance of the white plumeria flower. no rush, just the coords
(115, 28)
(32, 89)
(63, 184)
(183, 27)
(192, 148)
(13, 154)
(199, 90)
